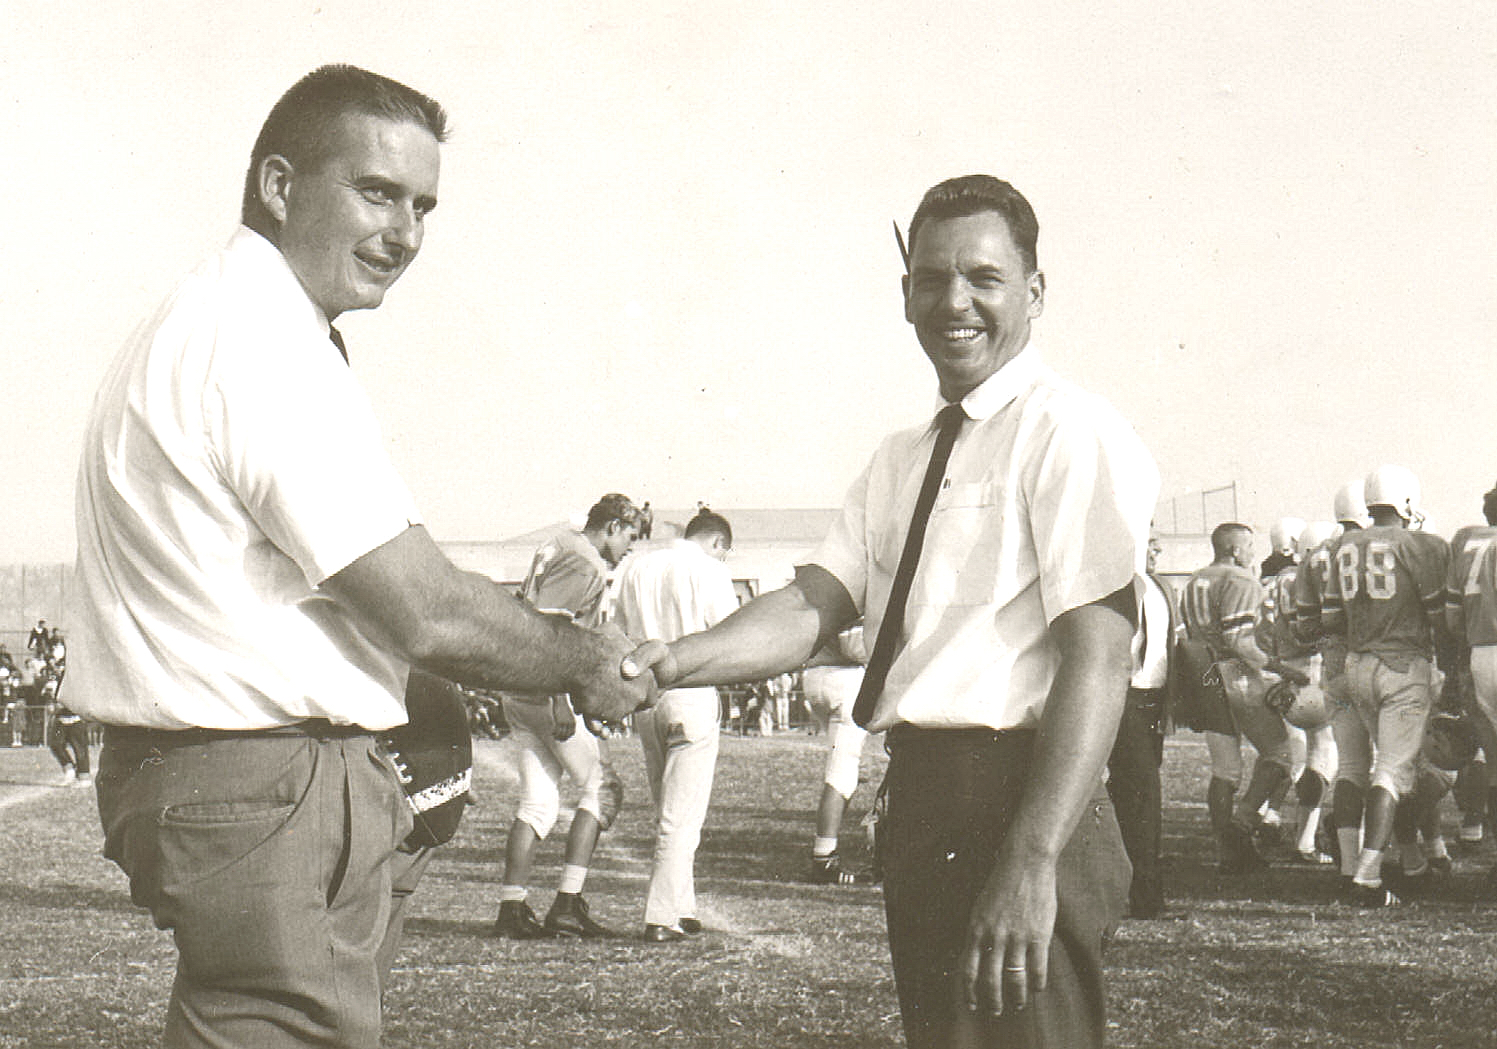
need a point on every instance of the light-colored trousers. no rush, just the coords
(680, 738)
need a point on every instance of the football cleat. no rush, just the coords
(1240, 854)
(1360, 895)
(569, 918)
(517, 921)
(829, 871)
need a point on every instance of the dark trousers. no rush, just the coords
(69, 744)
(951, 797)
(1133, 783)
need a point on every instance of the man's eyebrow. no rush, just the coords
(426, 203)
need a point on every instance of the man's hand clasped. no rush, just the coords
(606, 695)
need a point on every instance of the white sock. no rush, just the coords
(1307, 830)
(1370, 868)
(1435, 848)
(512, 893)
(1350, 840)
(572, 877)
(821, 847)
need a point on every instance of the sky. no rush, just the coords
(663, 260)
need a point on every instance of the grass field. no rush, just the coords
(1268, 960)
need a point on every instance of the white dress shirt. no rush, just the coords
(1045, 507)
(230, 465)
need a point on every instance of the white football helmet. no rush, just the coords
(1395, 487)
(1283, 534)
(1349, 506)
(1303, 706)
(1313, 534)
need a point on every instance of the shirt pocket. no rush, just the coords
(959, 564)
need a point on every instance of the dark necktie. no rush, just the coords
(337, 337)
(948, 422)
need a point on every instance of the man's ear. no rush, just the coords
(273, 183)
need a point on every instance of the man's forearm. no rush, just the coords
(461, 625)
(486, 637)
(1076, 734)
(773, 633)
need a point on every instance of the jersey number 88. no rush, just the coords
(1378, 574)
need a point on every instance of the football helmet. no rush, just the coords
(1304, 706)
(1395, 487)
(1313, 534)
(1283, 534)
(1349, 506)
(1449, 742)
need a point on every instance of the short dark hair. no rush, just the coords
(300, 124)
(708, 522)
(612, 507)
(1489, 506)
(973, 195)
(1224, 536)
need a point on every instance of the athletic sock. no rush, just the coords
(572, 877)
(1350, 840)
(1370, 868)
(512, 893)
(821, 847)
(1434, 849)
(1307, 830)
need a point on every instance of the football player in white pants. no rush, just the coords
(1473, 622)
(1220, 607)
(830, 690)
(1389, 587)
(1474, 618)
(568, 575)
(1308, 719)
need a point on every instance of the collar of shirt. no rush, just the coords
(998, 390)
(276, 269)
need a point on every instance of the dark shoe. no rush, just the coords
(1441, 864)
(1371, 896)
(830, 871)
(691, 926)
(517, 921)
(662, 934)
(568, 917)
(1239, 853)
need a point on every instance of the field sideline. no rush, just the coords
(1269, 960)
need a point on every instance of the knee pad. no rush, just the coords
(591, 798)
(842, 770)
(1398, 783)
(540, 811)
(1310, 789)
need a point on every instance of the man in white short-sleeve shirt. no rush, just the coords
(1003, 863)
(254, 584)
(666, 593)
